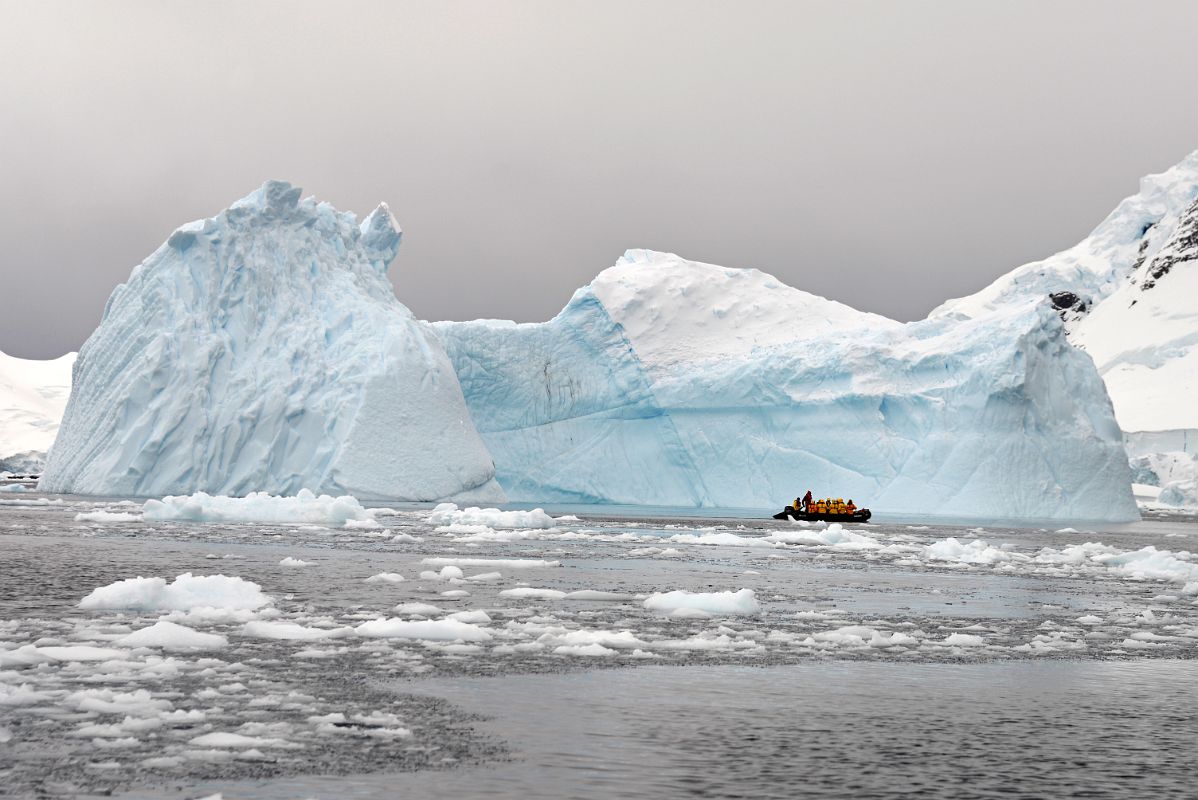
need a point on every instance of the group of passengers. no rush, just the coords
(829, 505)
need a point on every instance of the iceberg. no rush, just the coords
(263, 350)
(676, 383)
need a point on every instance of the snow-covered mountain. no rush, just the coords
(33, 395)
(264, 350)
(669, 382)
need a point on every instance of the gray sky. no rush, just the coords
(888, 155)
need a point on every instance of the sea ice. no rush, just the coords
(184, 593)
(169, 636)
(260, 507)
(719, 603)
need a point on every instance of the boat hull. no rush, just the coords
(860, 515)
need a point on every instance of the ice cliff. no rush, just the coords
(668, 382)
(264, 350)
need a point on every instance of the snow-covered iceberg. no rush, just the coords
(669, 382)
(33, 395)
(264, 350)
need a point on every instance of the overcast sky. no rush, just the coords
(888, 155)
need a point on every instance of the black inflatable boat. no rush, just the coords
(860, 515)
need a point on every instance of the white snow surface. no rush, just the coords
(667, 382)
(263, 350)
(184, 593)
(262, 507)
(33, 395)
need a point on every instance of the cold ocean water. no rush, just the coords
(872, 661)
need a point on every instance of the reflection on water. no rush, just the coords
(1059, 729)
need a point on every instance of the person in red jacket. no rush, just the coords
(807, 501)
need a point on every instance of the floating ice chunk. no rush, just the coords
(259, 507)
(278, 629)
(718, 603)
(23, 695)
(1151, 563)
(476, 617)
(418, 609)
(485, 577)
(529, 593)
(385, 577)
(592, 594)
(100, 515)
(617, 640)
(294, 562)
(137, 703)
(169, 636)
(13, 487)
(834, 535)
(445, 630)
(583, 650)
(964, 640)
(237, 740)
(81, 652)
(976, 552)
(449, 514)
(669, 552)
(362, 524)
(184, 593)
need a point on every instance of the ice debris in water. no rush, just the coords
(184, 593)
(447, 514)
(171, 636)
(717, 603)
(262, 507)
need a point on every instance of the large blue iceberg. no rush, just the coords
(669, 382)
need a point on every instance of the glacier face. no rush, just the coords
(263, 349)
(668, 382)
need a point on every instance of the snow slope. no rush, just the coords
(668, 382)
(264, 350)
(1129, 297)
(33, 395)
